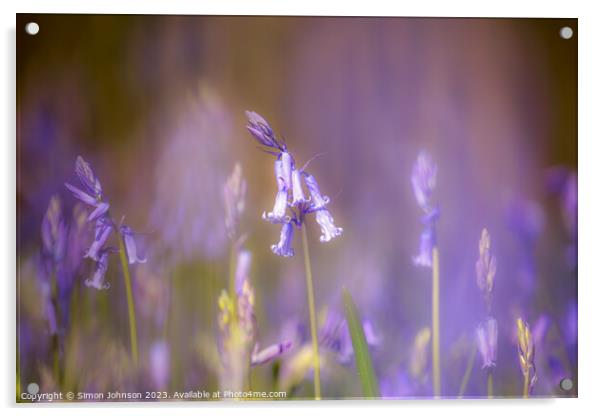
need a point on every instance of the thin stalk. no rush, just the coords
(312, 314)
(130, 298)
(435, 317)
(55, 342)
(526, 386)
(489, 384)
(468, 372)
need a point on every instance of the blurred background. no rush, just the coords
(156, 105)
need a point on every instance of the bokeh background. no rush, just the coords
(156, 104)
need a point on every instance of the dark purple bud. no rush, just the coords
(100, 210)
(81, 195)
(87, 178)
(261, 130)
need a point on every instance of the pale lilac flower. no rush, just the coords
(98, 278)
(326, 222)
(286, 169)
(319, 201)
(278, 213)
(160, 364)
(130, 245)
(297, 188)
(424, 179)
(486, 335)
(284, 247)
(259, 357)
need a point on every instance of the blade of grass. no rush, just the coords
(363, 361)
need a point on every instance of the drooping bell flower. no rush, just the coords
(130, 245)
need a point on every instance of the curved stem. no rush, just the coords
(312, 314)
(468, 372)
(130, 299)
(435, 317)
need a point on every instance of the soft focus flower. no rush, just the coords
(92, 192)
(284, 247)
(234, 200)
(243, 268)
(130, 245)
(486, 265)
(424, 179)
(526, 350)
(270, 353)
(334, 335)
(54, 231)
(160, 364)
(486, 334)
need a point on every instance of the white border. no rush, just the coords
(590, 206)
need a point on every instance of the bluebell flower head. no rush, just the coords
(486, 335)
(130, 245)
(284, 247)
(98, 278)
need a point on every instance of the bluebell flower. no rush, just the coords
(326, 222)
(284, 247)
(130, 245)
(486, 335)
(427, 243)
(98, 278)
(290, 195)
(297, 189)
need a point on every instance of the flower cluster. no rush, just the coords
(291, 205)
(424, 180)
(91, 194)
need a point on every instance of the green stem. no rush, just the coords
(526, 386)
(435, 317)
(130, 298)
(489, 384)
(468, 372)
(312, 314)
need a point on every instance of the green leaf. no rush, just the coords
(363, 361)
